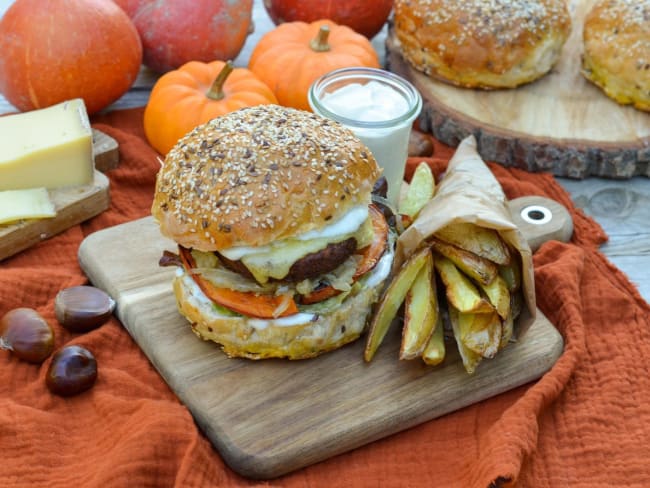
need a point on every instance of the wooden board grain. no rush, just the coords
(105, 151)
(73, 205)
(269, 417)
(560, 123)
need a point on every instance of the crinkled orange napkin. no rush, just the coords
(586, 423)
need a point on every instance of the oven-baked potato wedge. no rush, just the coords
(419, 191)
(420, 312)
(479, 240)
(460, 291)
(470, 358)
(392, 299)
(480, 269)
(436, 350)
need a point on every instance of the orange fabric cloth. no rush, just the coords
(586, 423)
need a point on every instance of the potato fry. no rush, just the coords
(420, 312)
(507, 328)
(499, 295)
(474, 266)
(470, 359)
(435, 351)
(392, 299)
(479, 240)
(419, 191)
(480, 332)
(511, 273)
(460, 291)
(508, 325)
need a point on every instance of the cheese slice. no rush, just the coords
(50, 148)
(33, 203)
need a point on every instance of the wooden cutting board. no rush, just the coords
(73, 205)
(561, 123)
(269, 417)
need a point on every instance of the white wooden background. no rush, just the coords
(622, 208)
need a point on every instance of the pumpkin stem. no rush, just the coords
(319, 43)
(216, 90)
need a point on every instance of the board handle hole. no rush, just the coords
(536, 214)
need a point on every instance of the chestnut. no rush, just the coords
(27, 334)
(83, 308)
(73, 370)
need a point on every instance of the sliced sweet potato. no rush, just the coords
(246, 303)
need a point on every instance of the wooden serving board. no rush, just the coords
(561, 123)
(73, 205)
(269, 417)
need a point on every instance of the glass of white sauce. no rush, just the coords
(379, 107)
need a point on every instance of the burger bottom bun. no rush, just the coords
(239, 337)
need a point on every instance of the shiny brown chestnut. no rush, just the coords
(83, 308)
(27, 334)
(73, 370)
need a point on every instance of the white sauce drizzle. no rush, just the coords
(348, 224)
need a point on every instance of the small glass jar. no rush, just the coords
(379, 107)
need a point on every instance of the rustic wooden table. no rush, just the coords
(621, 207)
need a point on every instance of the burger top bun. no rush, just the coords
(258, 175)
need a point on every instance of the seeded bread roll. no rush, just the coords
(259, 175)
(482, 43)
(617, 50)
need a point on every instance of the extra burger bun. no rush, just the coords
(482, 43)
(617, 50)
(260, 339)
(259, 175)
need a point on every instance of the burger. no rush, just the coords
(281, 251)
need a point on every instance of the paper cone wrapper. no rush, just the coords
(469, 192)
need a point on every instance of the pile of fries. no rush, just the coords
(464, 279)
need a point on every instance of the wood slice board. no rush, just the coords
(73, 205)
(561, 123)
(105, 151)
(267, 418)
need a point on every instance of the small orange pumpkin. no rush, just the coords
(196, 93)
(292, 56)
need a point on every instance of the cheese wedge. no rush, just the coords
(50, 148)
(33, 203)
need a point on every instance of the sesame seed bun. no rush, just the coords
(617, 50)
(482, 43)
(258, 175)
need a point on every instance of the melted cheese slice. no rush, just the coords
(33, 203)
(50, 147)
(275, 260)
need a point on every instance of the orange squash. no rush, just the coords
(55, 50)
(194, 94)
(292, 56)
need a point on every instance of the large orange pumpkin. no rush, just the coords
(366, 17)
(56, 50)
(174, 32)
(292, 56)
(196, 93)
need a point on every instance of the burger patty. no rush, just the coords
(309, 266)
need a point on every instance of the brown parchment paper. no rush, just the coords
(469, 192)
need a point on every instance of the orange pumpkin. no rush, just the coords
(292, 56)
(55, 50)
(196, 93)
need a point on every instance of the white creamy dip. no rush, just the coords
(376, 102)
